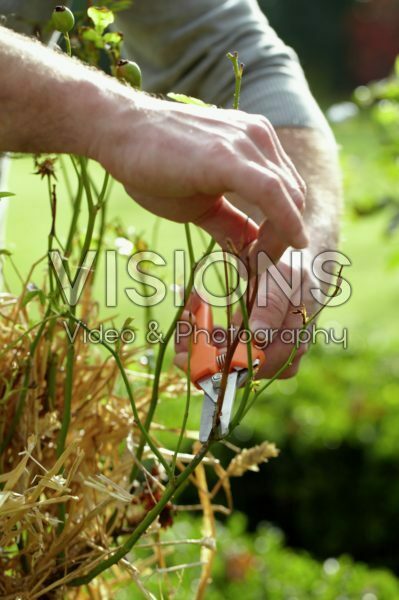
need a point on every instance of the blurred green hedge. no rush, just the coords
(258, 566)
(335, 486)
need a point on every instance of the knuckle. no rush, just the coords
(243, 143)
(272, 185)
(275, 305)
(221, 149)
(263, 121)
(260, 128)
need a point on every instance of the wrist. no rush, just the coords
(86, 109)
(113, 117)
(94, 109)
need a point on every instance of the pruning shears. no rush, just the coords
(207, 364)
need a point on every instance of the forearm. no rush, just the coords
(156, 149)
(315, 156)
(49, 102)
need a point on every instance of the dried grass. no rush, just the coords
(90, 480)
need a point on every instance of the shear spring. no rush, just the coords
(221, 360)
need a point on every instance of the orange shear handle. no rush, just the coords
(240, 357)
(203, 353)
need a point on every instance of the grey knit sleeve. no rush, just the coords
(27, 16)
(181, 47)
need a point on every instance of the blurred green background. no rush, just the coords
(321, 520)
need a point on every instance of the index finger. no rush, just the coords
(258, 186)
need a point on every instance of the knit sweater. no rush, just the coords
(181, 46)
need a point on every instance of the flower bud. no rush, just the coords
(62, 19)
(130, 72)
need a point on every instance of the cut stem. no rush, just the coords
(238, 71)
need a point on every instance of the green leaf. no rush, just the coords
(127, 322)
(91, 35)
(31, 294)
(188, 100)
(102, 17)
(5, 252)
(127, 326)
(113, 38)
(6, 194)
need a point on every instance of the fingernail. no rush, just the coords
(262, 333)
(257, 324)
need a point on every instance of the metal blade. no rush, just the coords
(234, 380)
(242, 377)
(207, 386)
(228, 401)
(208, 410)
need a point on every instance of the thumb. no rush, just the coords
(270, 308)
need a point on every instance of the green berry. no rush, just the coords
(130, 72)
(63, 19)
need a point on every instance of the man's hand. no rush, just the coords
(177, 161)
(274, 327)
(277, 325)
(315, 155)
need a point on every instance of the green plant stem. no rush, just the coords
(126, 382)
(189, 244)
(229, 357)
(188, 395)
(68, 44)
(186, 409)
(51, 235)
(244, 399)
(295, 349)
(229, 316)
(148, 315)
(70, 358)
(158, 368)
(155, 233)
(150, 517)
(68, 390)
(66, 179)
(66, 413)
(238, 71)
(74, 221)
(104, 187)
(102, 207)
(93, 208)
(25, 385)
(27, 332)
(16, 270)
(86, 181)
(52, 368)
(155, 386)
